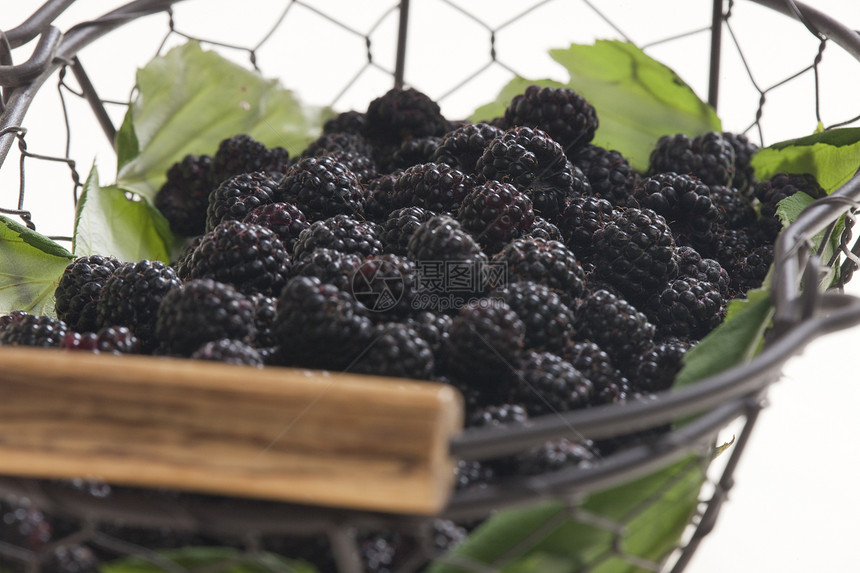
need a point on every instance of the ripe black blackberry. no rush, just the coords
(615, 325)
(342, 233)
(200, 311)
(265, 315)
(412, 152)
(24, 329)
(442, 238)
(610, 384)
(319, 326)
(396, 350)
(436, 187)
(561, 112)
(635, 251)
(229, 351)
(362, 166)
(248, 256)
(244, 154)
(771, 191)
(609, 173)
(184, 195)
(322, 187)
(432, 327)
(686, 308)
(351, 121)
(683, 200)
(386, 285)
(542, 229)
(744, 179)
(547, 262)
(735, 211)
(750, 270)
(548, 384)
(238, 195)
(495, 213)
(328, 142)
(329, 266)
(401, 114)
(285, 219)
(551, 456)
(657, 366)
(709, 157)
(399, 226)
(691, 264)
(548, 320)
(497, 416)
(728, 246)
(79, 289)
(579, 220)
(462, 147)
(379, 193)
(131, 297)
(111, 339)
(536, 164)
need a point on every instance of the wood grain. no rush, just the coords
(338, 440)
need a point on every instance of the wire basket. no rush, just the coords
(71, 523)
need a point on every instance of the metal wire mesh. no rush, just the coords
(70, 526)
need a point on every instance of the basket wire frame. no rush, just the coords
(800, 316)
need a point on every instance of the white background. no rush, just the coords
(795, 505)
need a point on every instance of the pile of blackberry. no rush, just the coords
(401, 243)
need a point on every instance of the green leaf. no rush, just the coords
(188, 101)
(734, 342)
(831, 156)
(32, 266)
(220, 559)
(648, 514)
(110, 223)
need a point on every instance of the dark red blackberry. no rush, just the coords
(79, 289)
(692, 265)
(561, 112)
(379, 192)
(320, 326)
(579, 220)
(610, 384)
(229, 351)
(744, 179)
(498, 416)
(322, 187)
(329, 266)
(238, 195)
(25, 329)
(734, 210)
(286, 220)
(682, 200)
(396, 350)
(386, 285)
(462, 147)
(399, 226)
(615, 325)
(547, 262)
(548, 320)
(547, 384)
(686, 308)
(749, 271)
(131, 297)
(346, 122)
(495, 213)
(111, 339)
(436, 187)
(200, 311)
(341, 141)
(265, 315)
(412, 152)
(776, 188)
(656, 368)
(442, 238)
(249, 257)
(542, 229)
(362, 166)
(709, 157)
(180, 262)
(636, 252)
(401, 114)
(432, 327)
(243, 154)
(610, 174)
(342, 233)
(184, 196)
(536, 164)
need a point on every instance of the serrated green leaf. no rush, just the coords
(32, 266)
(832, 156)
(220, 559)
(108, 222)
(189, 100)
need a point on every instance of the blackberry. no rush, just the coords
(180, 263)
(265, 315)
(249, 257)
(442, 238)
(111, 339)
(551, 456)
(23, 329)
(362, 166)
(542, 229)
(338, 141)
(613, 324)
(396, 350)
(561, 112)
(230, 352)
(131, 297)
(548, 320)
(436, 187)
(579, 220)
(692, 265)
(386, 285)
(500, 415)
(536, 164)
(635, 251)
(399, 226)
(244, 154)
(548, 262)
(708, 156)
(79, 289)
(184, 196)
(412, 152)
(200, 311)
(341, 233)
(319, 326)
(547, 384)
(776, 188)
(657, 366)
(322, 187)
(286, 220)
(734, 210)
(237, 195)
(687, 308)
(728, 246)
(329, 266)
(401, 114)
(744, 179)
(380, 192)
(682, 200)
(462, 147)
(472, 474)
(351, 121)
(610, 385)
(432, 327)
(495, 213)
(609, 173)
(750, 270)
